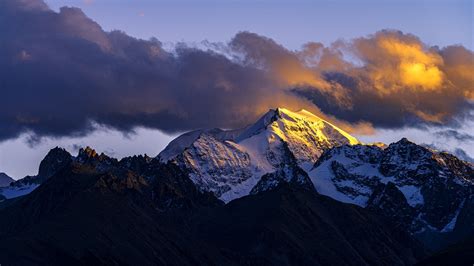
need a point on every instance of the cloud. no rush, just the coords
(283, 65)
(461, 154)
(395, 61)
(76, 73)
(459, 68)
(454, 134)
(458, 152)
(61, 73)
(394, 80)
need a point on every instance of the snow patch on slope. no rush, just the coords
(351, 188)
(13, 191)
(323, 180)
(450, 226)
(413, 195)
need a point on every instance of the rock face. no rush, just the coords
(389, 201)
(101, 211)
(215, 165)
(231, 163)
(418, 188)
(288, 172)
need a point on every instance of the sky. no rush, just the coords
(81, 85)
(291, 23)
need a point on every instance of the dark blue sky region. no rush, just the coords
(290, 23)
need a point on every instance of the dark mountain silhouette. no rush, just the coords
(97, 210)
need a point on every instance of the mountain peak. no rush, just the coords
(87, 152)
(319, 127)
(231, 163)
(301, 112)
(311, 116)
(404, 145)
(5, 180)
(56, 159)
(88, 155)
(317, 124)
(404, 140)
(261, 124)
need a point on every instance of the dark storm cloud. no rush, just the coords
(60, 73)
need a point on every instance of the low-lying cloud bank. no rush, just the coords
(60, 71)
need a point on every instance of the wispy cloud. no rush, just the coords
(454, 134)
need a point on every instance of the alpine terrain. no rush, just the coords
(291, 189)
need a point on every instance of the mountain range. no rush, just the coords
(291, 189)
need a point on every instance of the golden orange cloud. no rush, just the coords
(417, 67)
(397, 62)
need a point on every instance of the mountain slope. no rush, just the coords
(290, 225)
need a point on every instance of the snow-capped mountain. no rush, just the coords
(428, 192)
(420, 188)
(231, 163)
